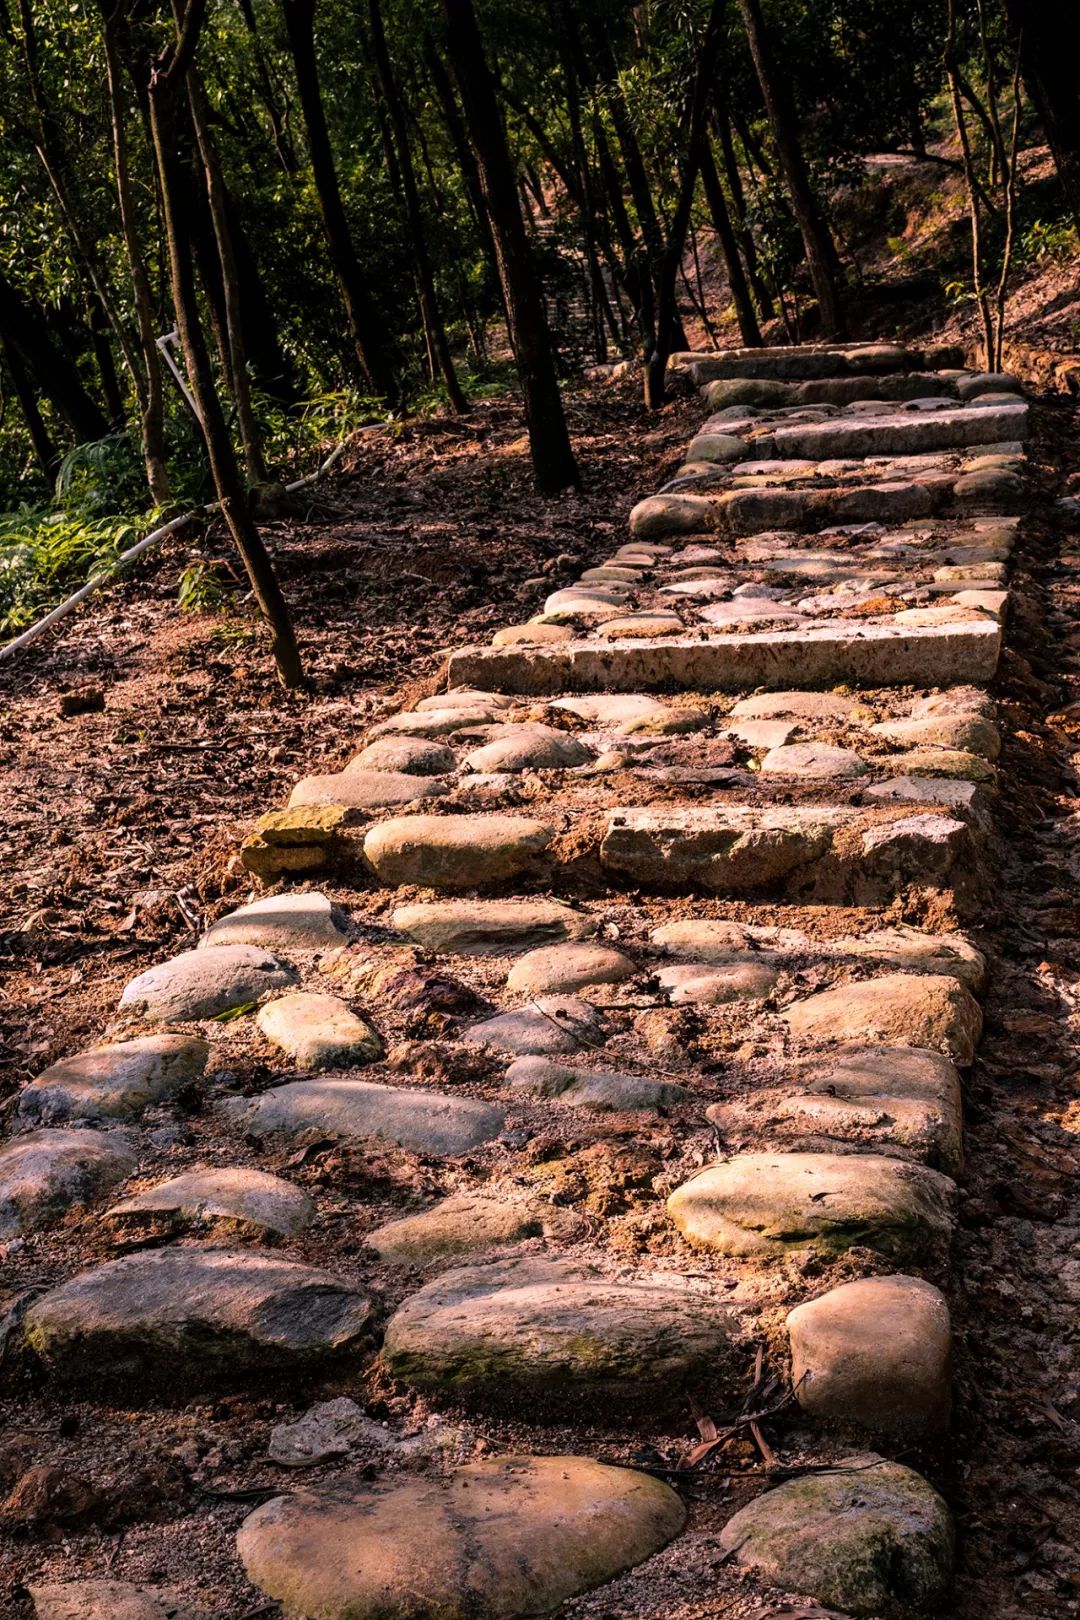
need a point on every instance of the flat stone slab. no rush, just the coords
(875, 1354)
(468, 1223)
(916, 1009)
(871, 655)
(912, 950)
(454, 852)
(359, 789)
(552, 1024)
(299, 922)
(489, 927)
(632, 714)
(903, 432)
(527, 748)
(571, 966)
(769, 1203)
(249, 1198)
(203, 983)
(319, 1032)
(406, 756)
(425, 1121)
(195, 1316)
(602, 1090)
(816, 708)
(110, 1600)
(499, 1538)
(888, 1098)
(714, 984)
(543, 1328)
(873, 1539)
(117, 1082)
(43, 1174)
(814, 853)
(811, 759)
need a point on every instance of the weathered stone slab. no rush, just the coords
(110, 1600)
(886, 1098)
(910, 949)
(916, 1009)
(551, 1024)
(194, 1316)
(113, 1082)
(813, 759)
(408, 756)
(302, 922)
(798, 361)
(872, 1539)
(426, 1121)
(875, 1354)
(524, 748)
(248, 1198)
(319, 1032)
(599, 1089)
(825, 655)
(454, 852)
(43, 1174)
(357, 789)
(900, 433)
(714, 984)
(502, 1537)
(482, 927)
(294, 843)
(573, 966)
(633, 714)
(203, 983)
(547, 1328)
(768, 1203)
(468, 1223)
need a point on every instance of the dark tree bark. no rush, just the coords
(749, 330)
(821, 256)
(44, 448)
(26, 330)
(761, 292)
(167, 77)
(668, 327)
(1048, 37)
(148, 386)
(373, 353)
(425, 275)
(549, 442)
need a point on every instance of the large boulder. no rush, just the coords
(454, 852)
(769, 1203)
(872, 1538)
(113, 1082)
(234, 1196)
(301, 922)
(499, 1538)
(875, 1354)
(203, 983)
(43, 1174)
(913, 1009)
(195, 1317)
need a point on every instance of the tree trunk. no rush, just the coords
(44, 448)
(1048, 37)
(425, 276)
(668, 327)
(549, 443)
(149, 386)
(762, 296)
(821, 256)
(749, 330)
(27, 331)
(165, 81)
(365, 324)
(254, 462)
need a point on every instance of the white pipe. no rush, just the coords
(29, 636)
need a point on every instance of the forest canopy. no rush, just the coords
(234, 230)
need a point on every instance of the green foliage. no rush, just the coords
(200, 590)
(45, 554)
(1048, 241)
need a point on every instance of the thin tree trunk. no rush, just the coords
(549, 441)
(167, 76)
(54, 374)
(749, 330)
(365, 326)
(44, 448)
(149, 384)
(762, 296)
(425, 275)
(254, 461)
(821, 256)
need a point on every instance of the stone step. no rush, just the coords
(822, 656)
(815, 360)
(773, 394)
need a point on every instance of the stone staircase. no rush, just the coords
(683, 860)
